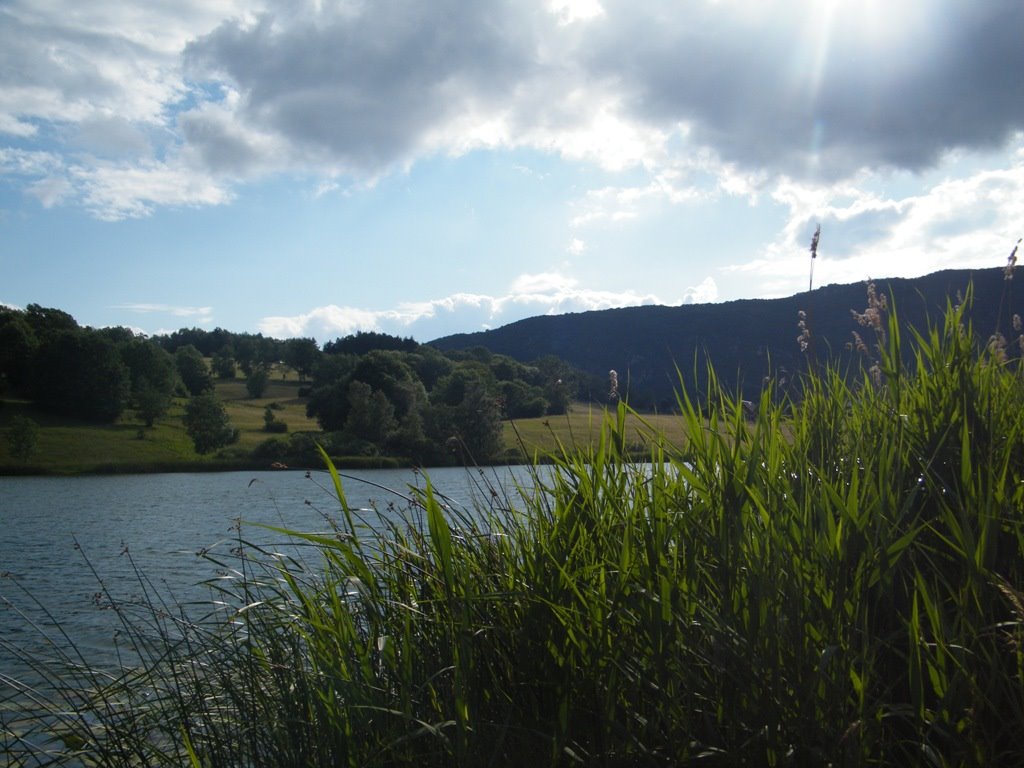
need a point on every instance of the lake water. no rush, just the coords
(59, 535)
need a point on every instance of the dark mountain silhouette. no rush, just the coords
(654, 347)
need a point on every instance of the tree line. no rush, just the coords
(371, 393)
(429, 406)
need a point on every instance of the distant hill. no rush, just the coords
(745, 340)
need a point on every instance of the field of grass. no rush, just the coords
(246, 414)
(581, 428)
(847, 591)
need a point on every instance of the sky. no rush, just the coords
(321, 167)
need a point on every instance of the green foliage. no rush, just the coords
(388, 372)
(271, 423)
(81, 374)
(150, 403)
(302, 355)
(207, 424)
(371, 415)
(193, 371)
(465, 413)
(223, 364)
(256, 382)
(273, 449)
(22, 438)
(154, 378)
(363, 342)
(18, 344)
(47, 321)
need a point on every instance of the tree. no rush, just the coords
(256, 382)
(206, 421)
(81, 374)
(371, 416)
(389, 373)
(17, 346)
(271, 423)
(46, 321)
(22, 436)
(465, 412)
(192, 370)
(153, 376)
(245, 353)
(384, 372)
(559, 382)
(328, 404)
(224, 364)
(302, 356)
(150, 403)
(472, 429)
(362, 342)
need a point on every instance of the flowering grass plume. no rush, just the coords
(804, 337)
(1011, 262)
(874, 318)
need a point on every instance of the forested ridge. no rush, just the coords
(655, 348)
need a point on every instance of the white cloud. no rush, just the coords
(705, 292)
(239, 88)
(569, 11)
(202, 315)
(28, 163)
(544, 283)
(12, 126)
(545, 293)
(955, 222)
(50, 190)
(114, 192)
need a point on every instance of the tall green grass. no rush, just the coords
(837, 581)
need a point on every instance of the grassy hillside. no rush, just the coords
(71, 446)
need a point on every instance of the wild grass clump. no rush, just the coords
(837, 581)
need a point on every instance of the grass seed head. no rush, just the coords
(804, 338)
(1011, 262)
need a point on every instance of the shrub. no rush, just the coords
(273, 448)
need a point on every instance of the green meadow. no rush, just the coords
(581, 430)
(836, 581)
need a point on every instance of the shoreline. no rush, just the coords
(186, 467)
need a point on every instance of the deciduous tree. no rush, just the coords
(81, 374)
(192, 369)
(153, 376)
(256, 382)
(302, 355)
(206, 421)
